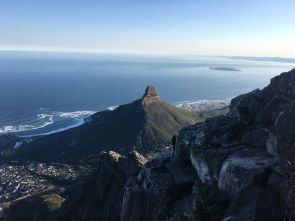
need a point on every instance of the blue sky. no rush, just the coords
(211, 27)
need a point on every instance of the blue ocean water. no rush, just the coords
(44, 92)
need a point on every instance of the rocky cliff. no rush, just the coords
(100, 197)
(234, 167)
(150, 96)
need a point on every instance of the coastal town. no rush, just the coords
(19, 180)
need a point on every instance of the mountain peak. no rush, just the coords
(150, 95)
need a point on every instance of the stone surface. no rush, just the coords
(100, 198)
(132, 163)
(282, 85)
(209, 203)
(247, 106)
(150, 95)
(256, 137)
(255, 204)
(240, 169)
(271, 110)
(208, 162)
(272, 144)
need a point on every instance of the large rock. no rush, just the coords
(282, 85)
(271, 110)
(247, 106)
(208, 162)
(211, 133)
(161, 180)
(239, 170)
(255, 204)
(285, 135)
(132, 163)
(256, 137)
(150, 95)
(209, 203)
(184, 141)
(272, 144)
(100, 198)
(133, 204)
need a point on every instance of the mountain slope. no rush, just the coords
(238, 166)
(145, 124)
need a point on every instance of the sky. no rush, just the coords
(200, 27)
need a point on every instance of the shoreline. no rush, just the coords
(199, 106)
(79, 123)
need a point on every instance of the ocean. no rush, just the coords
(46, 92)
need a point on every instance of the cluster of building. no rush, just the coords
(64, 172)
(17, 180)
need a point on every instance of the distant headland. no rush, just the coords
(224, 69)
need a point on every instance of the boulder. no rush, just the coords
(240, 169)
(150, 95)
(285, 135)
(209, 203)
(100, 197)
(164, 180)
(256, 137)
(282, 85)
(132, 163)
(272, 144)
(133, 201)
(255, 204)
(208, 162)
(246, 106)
(271, 110)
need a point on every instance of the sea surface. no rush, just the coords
(41, 92)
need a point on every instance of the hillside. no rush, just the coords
(146, 124)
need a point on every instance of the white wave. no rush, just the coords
(27, 127)
(111, 108)
(75, 114)
(79, 123)
(18, 144)
(17, 128)
(46, 119)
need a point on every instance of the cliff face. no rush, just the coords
(100, 197)
(150, 95)
(235, 167)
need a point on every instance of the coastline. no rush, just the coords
(198, 106)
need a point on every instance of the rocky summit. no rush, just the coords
(228, 168)
(150, 95)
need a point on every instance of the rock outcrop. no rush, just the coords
(100, 198)
(229, 168)
(150, 95)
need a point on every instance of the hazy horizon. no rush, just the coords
(227, 28)
(149, 54)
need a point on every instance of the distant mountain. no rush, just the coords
(271, 59)
(224, 69)
(146, 124)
